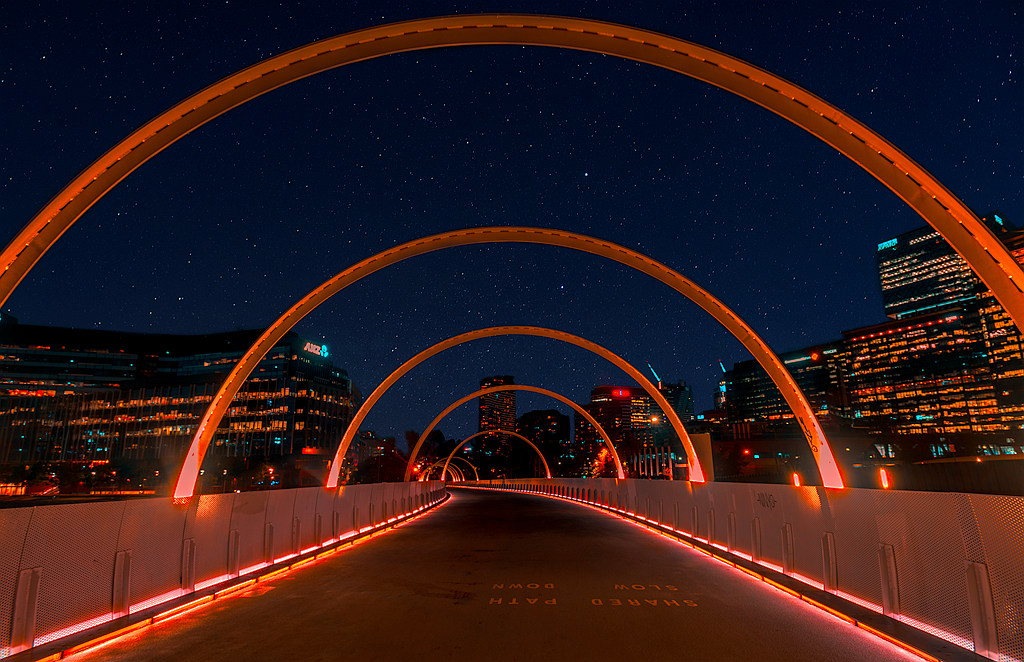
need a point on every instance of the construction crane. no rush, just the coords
(656, 377)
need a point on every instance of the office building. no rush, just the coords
(73, 395)
(626, 415)
(497, 411)
(919, 272)
(751, 395)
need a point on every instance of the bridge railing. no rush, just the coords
(65, 568)
(948, 563)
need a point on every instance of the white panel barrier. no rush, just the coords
(947, 563)
(65, 568)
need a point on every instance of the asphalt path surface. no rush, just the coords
(504, 576)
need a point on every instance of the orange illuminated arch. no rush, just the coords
(938, 206)
(476, 473)
(426, 472)
(514, 387)
(696, 471)
(791, 392)
(927, 196)
(547, 469)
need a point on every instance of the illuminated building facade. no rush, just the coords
(624, 412)
(71, 395)
(951, 361)
(497, 411)
(680, 397)
(750, 395)
(919, 272)
(1004, 347)
(926, 374)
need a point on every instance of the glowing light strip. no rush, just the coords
(111, 637)
(671, 534)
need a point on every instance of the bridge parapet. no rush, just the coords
(946, 563)
(67, 568)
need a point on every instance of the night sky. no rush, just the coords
(229, 226)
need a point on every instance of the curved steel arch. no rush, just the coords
(937, 205)
(926, 195)
(476, 473)
(737, 327)
(696, 471)
(426, 472)
(514, 387)
(465, 441)
(758, 348)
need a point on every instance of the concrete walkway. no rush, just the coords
(498, 576)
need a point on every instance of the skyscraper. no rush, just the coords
(919, 272)
(91, 396)
(497, 410)
(624, 412)
(680, 396)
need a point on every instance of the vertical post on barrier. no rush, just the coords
(268, 543)
(890, 585)
(730, 534)
(788, 562)
(983, 619)
(120, 596)
(26, 599)
(188, 565)
(755, 540)
(830, 577)
(234, 564)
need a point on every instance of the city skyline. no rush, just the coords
(229, 227)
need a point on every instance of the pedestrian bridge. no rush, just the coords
(524, 569)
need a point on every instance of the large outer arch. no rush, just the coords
(514, 387)
(737, 327)
(937, 205)
(547, 469)
(696, 471)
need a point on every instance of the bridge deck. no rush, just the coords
(502, 576)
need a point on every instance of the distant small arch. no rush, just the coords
(515, 387)
(697, 474)
(547, 469)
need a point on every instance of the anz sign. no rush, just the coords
(319, 350)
